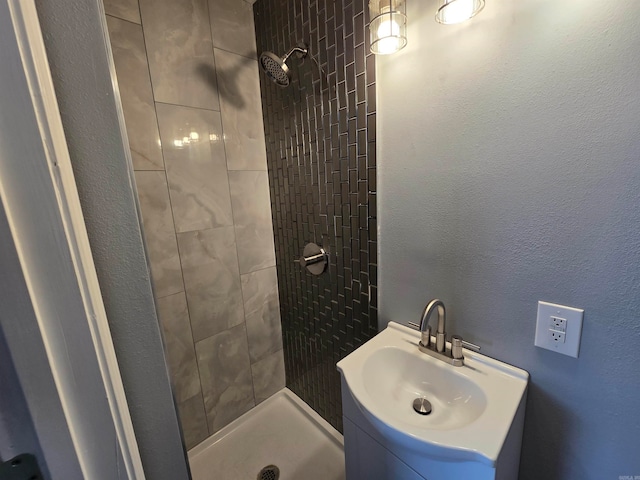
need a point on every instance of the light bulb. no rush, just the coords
(457, 11)
(388, 33)
(388, 27)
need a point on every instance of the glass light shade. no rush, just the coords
(457, 11)
(388, 27)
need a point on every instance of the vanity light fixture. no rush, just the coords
(388, 27)
(457, 11)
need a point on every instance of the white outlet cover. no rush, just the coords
(574, 316)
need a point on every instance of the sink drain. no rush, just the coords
(422, 406)
(270, 472)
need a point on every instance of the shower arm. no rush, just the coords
(301, 51)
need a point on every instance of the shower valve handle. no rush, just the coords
(314, 258)
(310, 260)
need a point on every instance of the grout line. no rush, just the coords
(140, 15)
(255, 59)
(258, 270)
(169, 295)
(149, 169)
(213, 55)
(123, 19)
(253, 387)
(146, 56)
(206, 229)
(185, 106)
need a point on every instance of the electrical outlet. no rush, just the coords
(558, 324)
(559, 328)
(556, 336)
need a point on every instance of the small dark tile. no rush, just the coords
(350, 77)
(371, 127)
(361, 89)
(371, 68)
(358, 7)
(373, 232)
(361, 116)
(338, 13)
(358, 27)
(371, 155)
(360, 59)
(348, 24)
(371, 98)
(362, 142)
(349, 52)
(331, 57)
(371, 180)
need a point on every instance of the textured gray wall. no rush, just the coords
(74, 35)
(509, 173)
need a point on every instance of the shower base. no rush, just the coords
(282, 431)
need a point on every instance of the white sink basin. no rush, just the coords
(473, 406)
(394, 377)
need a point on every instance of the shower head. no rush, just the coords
(276, 67)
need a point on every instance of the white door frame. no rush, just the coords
(51, 310)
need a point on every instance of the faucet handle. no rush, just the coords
(456, 347)
(470, 346)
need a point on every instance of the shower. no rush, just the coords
(276, 67)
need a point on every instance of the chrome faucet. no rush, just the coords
(425, 329)
(439, 349)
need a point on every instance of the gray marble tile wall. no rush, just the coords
(188, 80)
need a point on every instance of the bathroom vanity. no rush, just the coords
(410, 416)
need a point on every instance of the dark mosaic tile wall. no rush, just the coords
(320, 139)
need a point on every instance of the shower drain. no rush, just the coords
(270, 472)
